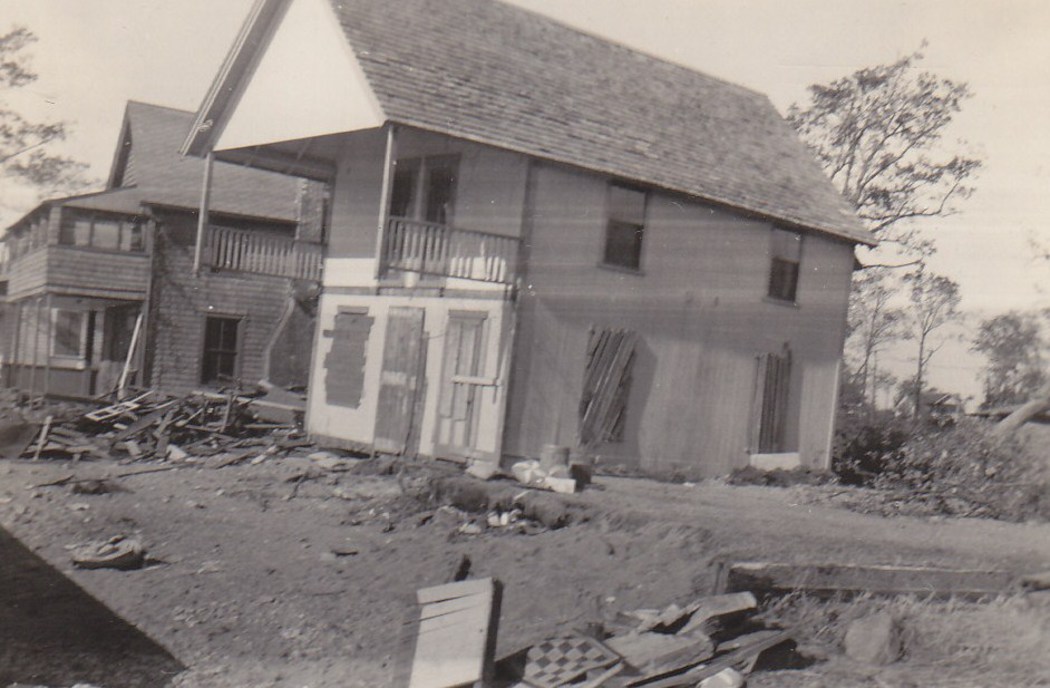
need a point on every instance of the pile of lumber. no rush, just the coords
(155, 425)
(711, 642)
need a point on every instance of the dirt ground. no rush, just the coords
(291, 573)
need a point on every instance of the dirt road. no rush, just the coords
(283, 574)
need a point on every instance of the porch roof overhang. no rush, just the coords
(310, 158)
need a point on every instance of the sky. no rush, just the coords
(94, 55)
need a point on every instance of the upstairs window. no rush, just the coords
(425, 189)
(95, 230)
(784, 266)
(626, 227)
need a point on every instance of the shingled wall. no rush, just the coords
(180, 302)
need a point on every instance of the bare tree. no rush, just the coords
(873, 324)
(935, 303)
(1014, 345)
(878, 133)
(26, 155)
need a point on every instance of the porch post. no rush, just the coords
(16, 346)
(389, 161)
(47, 344)
(202, 215)
(36, 345)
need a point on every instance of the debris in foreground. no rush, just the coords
(708, 643)
(116, 553)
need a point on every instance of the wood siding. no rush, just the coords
(72, 269)
(180, 302)
(700, 309)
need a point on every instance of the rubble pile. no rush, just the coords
(155, 425)
(712, 642)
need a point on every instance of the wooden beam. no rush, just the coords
(389, 163)
(830, 579)
(202, 215)
(47, 344)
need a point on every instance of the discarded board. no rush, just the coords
(456, 639)
(658, 653)
(829, 579)
(745, 654)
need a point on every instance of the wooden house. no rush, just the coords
(103, 285)
(540, 237)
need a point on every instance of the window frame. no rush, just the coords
(81, 337)
(237, 352)
(130, 237)
(619, 223)
(785, 270)
(420, 168)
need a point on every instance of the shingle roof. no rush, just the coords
(164, 176)
(497, 74)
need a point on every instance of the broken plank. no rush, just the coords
(829, 579)
(457, 648)
(43, 437)
(451, 591)
(695, 675)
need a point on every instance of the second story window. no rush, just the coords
(783, 268)
(425, 189)
(626, 227)
(95, 230)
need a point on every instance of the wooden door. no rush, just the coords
(771, 402)
(462, 384)
(401, 381)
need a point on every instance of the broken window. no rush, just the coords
(606, 384)
(783, 270)
(626, 227)
(771, 402)
(221, 345)
(345, 363)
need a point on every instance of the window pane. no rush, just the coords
(107, 234)
(623, 244)
(130, 236)
(219, 359)
(783, 279)
(627, 205)
(82, 232)
(68, 331)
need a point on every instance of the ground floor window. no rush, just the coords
(771, 403)
(221, 346)
(68, 339)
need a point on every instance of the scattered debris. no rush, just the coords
(118, 552)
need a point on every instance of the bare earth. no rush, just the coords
(286, 574)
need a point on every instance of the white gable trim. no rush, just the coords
(307, 82)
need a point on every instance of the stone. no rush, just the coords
(874, 639)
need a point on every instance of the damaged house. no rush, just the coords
(107, 288)
(540, 237)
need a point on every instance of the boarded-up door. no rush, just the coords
(461, 386)
(401, 380)
(771, 402)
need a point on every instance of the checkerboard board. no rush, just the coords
(556, 661)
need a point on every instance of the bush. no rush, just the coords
(862, 448)
(959, 470)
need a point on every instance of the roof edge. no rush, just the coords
(839, 233)
(226, 88)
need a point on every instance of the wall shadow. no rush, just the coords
(52, 632)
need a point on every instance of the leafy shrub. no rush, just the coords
(863, 447)
(963, 470)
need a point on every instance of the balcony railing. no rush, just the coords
(434, 249)
(265, 254)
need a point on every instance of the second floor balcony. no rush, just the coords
(264, 253)
(430, 248)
